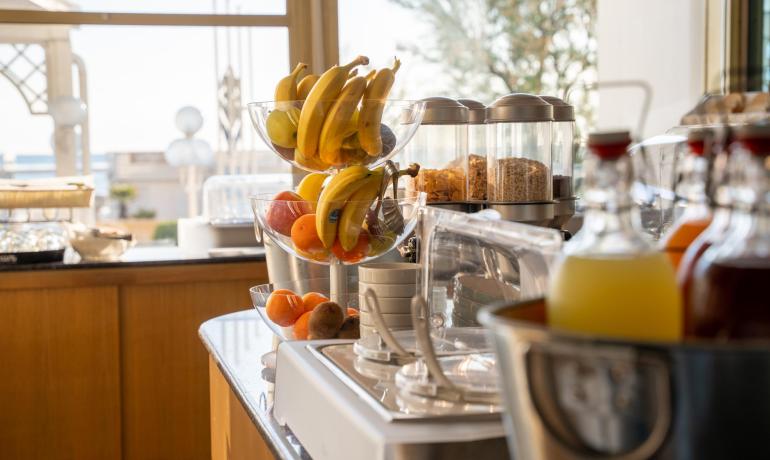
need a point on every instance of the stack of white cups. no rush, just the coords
(394, 284)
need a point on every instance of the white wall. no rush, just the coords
(659, 41)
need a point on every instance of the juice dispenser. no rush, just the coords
(609, 262)
(477, 149)
(728, 299)
(562, 150)
(519, 159)
(440, 147)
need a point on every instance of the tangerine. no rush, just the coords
(352, 312)
(301, 326)
(305, 237)
(358, 252)
(311, 299)
(284, 307)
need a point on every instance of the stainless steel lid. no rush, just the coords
(444, 111)
(519, 107)
(759, 130)
(477, 112)
(561, 110)
(609, 138)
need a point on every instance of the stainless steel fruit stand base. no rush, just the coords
(337, 411)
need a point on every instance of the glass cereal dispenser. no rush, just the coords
(562, 149)
(477, 149)
(440, 147)
(519, 158)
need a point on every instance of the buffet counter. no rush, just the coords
(103, 359)
(242, 421)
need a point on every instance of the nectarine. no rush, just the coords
(286, 208)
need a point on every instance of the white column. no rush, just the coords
(58, 60)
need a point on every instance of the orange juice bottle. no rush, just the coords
(692, 213)
(611, 281)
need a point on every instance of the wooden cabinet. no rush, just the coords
(106, 363)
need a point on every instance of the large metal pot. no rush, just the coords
(577, 397)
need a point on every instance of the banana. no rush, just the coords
(309, 164)
(316, 105)
(354, 212)
(310, 187)
(305, 85)
(372, 107)
(286, 89)
(337, 125)
(333, 199)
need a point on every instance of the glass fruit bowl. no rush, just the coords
(337, 139)
(291, 299)
(363, 229)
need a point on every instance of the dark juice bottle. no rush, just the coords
(728, 297)
(736, 304)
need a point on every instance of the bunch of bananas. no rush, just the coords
(340, 119)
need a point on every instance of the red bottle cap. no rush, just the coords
(695, 140)
(609, 145)
(755, 138)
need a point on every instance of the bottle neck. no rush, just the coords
(611, 218)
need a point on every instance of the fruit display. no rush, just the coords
(311, 316)
(336, 119)
(346, 217)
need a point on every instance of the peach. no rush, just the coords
(286, 208)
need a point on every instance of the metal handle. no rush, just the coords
(643, 451)
(373, 307)
(425, 344)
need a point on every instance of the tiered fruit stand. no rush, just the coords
(356, 216)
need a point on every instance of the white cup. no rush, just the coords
(388, 304)
(392, 320)
(401, 291)
(389, 273)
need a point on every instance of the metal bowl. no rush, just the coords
(571, 396)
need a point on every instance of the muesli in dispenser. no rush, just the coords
(440, 147)
(519, 160)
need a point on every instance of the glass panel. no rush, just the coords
(173, 6)
(138, 78)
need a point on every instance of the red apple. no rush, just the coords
(284, 210)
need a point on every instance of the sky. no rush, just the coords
(138, 77)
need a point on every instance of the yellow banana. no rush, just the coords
(333, 198)
(305, 85)
(286, 89)
(354, 212)
(309, 164)
(318, 103)
(372, 107)
(337, 124)
(310, 187)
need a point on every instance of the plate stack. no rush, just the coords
(393, 284)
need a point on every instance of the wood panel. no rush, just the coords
(165, 372)
(60, 390)
(233, 434)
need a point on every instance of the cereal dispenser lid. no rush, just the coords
(477, 112)
(519, 107)
(561, 110)
(444, 111)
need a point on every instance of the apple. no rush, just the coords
(285, 208)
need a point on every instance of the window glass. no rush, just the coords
(138, 77)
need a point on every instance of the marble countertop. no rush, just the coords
(237, 342)
(143, 256)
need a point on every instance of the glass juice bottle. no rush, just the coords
(727, 181)
(611, 280)
(692, 214)
(729, 298)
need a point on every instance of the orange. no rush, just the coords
(352, 312)
(358, 252)
(311, 299)
(305, 237)
(301, 326)
(284, 307)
